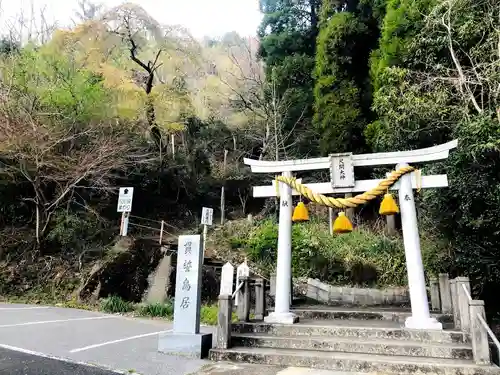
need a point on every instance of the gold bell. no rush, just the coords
(388, 206)
(342, 224)
(300, 213)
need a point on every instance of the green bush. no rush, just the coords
(162, 310)
(208, 315)
(115, 304)
(363, 257)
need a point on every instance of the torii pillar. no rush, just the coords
(282, 313)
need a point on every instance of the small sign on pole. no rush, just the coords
(125, 199)
(207, 216)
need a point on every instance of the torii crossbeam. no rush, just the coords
(420, 318)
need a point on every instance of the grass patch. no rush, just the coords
(156, 310)
(208, 314)
(115, 304)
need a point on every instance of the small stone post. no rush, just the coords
(349, 211)
(272, 291)
(224, 319)
(435, 300)
(445, 293)
(391, 225)
(243, 310)
(260, 299)
(241, 271)
(480, 344)
(454, 303)
(246, 299)
(463, 302)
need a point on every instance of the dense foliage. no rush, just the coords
(406, 74)
(365, 257)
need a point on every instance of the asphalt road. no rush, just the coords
(31, 336)
(17, 363)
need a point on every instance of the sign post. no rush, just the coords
(125, 197)
(342, 182)
(207, 218)
(186, 338)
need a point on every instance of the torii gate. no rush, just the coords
(342, 171)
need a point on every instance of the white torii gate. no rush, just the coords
(420, 318)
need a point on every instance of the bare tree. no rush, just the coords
(474, 70)
(28, 28)
(88, 11)
(146, 40)
(58, 161)
(259, 99)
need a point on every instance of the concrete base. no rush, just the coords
(185, 344)
(281, 318)
(429, 323)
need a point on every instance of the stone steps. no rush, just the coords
(331, 313)
(356, 330)
(353, 362)
(349, 345)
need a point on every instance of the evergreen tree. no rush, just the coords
(287, 46)
(349, 31)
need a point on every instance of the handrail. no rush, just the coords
(485, 324)
(237, 290)
(466, 292)
(490, 333)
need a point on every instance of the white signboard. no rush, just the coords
(125, 199)
(207, 216)
(342, 170)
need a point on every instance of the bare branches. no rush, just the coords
(463, 84)
(58, 161)
(475, 69)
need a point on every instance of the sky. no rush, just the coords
(202, 17)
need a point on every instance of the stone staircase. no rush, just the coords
(354, 340)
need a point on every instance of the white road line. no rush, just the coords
(38, 354)
(23, 308)
(117, 341)
(55, 321)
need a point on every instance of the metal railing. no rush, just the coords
(466, 292)
(237, 289)
(491, 334)
(484, 324)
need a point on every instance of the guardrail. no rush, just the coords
(468, 315)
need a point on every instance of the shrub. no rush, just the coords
(162, 310)
(363, 257)
(209, 313)
(115, 304)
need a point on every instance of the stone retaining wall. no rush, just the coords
(333, 295)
